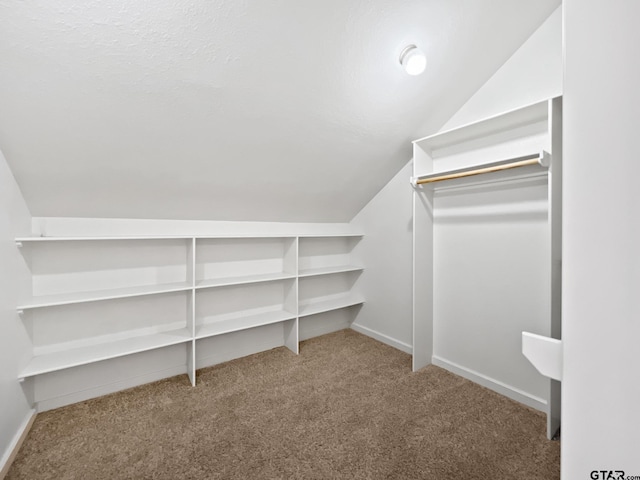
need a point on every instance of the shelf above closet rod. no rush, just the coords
(541, 159)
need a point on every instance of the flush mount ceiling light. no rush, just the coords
(413, 60)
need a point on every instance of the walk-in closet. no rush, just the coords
(348, 239)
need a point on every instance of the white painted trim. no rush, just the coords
(99, 391)
(381, 337)
(14, 447)
(492, 384)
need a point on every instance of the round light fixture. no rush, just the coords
(413, 60)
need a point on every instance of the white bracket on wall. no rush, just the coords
(544, 353)
(21, 313)
(19, 244)
(414, 182)
(545, 159)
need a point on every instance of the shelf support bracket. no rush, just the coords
(545, 159)
(19, 244)
(544, 353)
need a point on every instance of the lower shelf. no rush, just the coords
(75, 357)
(327, 304)
(212, 327)
(90, 353)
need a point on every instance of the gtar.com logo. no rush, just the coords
(607, 475)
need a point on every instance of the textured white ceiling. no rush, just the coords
(277, 110)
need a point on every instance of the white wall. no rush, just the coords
(386, 254)
(491, 282)
(601, 309)
(14, 343)
(533, 73)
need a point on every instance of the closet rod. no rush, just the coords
(541, 159)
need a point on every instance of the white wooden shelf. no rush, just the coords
(44, 239)
(311, 272)
(98, 295)
(326, 305)
(535, 113)
(333, 235)
(96, 238)
(83, 355)
(243, 279)
(228, 280)
(212, 327)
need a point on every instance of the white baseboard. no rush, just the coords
(82, 395)
(492, 384)
(14, 447)
(381, 337)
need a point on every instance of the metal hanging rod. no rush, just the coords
(541, 159)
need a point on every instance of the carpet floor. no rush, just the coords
(346, 407)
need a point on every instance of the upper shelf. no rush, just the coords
(115, 237)
(535, 113)
(20, 240)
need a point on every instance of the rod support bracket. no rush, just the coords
(19, 244)
(545, 159)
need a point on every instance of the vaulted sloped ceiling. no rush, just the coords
(276, 110)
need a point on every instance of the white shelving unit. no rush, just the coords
(100, 298)
(328, 269)
(533, 131)
(226, 309)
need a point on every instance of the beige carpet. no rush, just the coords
(346, 407)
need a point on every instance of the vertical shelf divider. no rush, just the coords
(422, 264)
(554, 180)
(291, 334)
(191, 313)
